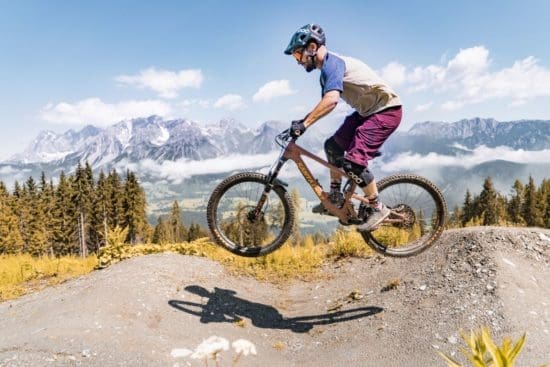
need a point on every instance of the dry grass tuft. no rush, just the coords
(393, 284)
(349, 243)
(23, 273)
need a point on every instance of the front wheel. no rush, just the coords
(417, 219)
(235, 221)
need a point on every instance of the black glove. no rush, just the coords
(297, 128)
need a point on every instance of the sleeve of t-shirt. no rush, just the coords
(332, 74)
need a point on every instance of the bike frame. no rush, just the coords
(293, 152)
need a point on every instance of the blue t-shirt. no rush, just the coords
(332, 74)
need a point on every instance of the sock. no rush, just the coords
(374, 203)
(335, 186)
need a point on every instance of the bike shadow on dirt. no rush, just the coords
(224, 306)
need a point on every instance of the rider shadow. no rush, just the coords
(223, 306)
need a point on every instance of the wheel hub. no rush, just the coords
(406, 214)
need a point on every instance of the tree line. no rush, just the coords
(526, 205)
(171, 229)
(76, 215)
(72, 217)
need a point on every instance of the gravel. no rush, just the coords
(156, 310)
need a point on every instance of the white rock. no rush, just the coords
(423, 287)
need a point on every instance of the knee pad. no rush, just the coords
(359, 174)
(335, 154)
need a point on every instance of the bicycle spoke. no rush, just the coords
(418, 215)
(235, 221)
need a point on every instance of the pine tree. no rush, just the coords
(178, 232)
(544, 195)
(195, 232)
(46, 200)
(455, 217)
(422, 222)
(547, 210)
(83, 199)
(11, 241)
(515, 204)
(488, 203)
(134, 205)
(161, 234)
(530, 211)
(467, 208)
(115, 191)
(65, 234)
(21, 210)
(100, 213)
(37, 239)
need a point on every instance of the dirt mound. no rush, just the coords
(369, 312)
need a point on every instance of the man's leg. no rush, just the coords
(368, 139)
(335, 156)
(335, 148)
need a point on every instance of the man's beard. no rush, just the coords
(310, 63)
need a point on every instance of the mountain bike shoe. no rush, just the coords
(336, 197)
(374, 219)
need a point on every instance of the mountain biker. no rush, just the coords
(377, 114)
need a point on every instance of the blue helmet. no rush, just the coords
(307, 33)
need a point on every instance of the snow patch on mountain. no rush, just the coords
(162, 138)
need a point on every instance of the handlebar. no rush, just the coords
(283, 137)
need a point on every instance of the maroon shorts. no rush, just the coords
(361, 137)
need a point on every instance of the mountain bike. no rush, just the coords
(251, 214)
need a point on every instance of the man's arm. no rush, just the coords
(323, 108)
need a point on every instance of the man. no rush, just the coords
(377, 114)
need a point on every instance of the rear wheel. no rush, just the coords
(417, 219)
(235, 223)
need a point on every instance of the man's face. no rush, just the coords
(303, 59)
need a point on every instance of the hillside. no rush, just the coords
(140, 311)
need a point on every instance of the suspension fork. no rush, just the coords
(271, 180)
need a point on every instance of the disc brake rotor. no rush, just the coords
(406, 214)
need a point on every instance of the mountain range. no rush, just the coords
(155, 148)
(149, 138)
(160, 140)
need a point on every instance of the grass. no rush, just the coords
(349, 243)
(285, 263)
(20, 274)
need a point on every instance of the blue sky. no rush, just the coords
(65, 64)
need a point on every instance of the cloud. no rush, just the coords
(177, 171)
(9, 170)
(230, 102)
(273, 89)
(204, 103)
(10, 174)
(424, 107)
(481, 154)
(166, 83)
(394, 73)
(469, 78)
(452, 105)
(94, 111)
